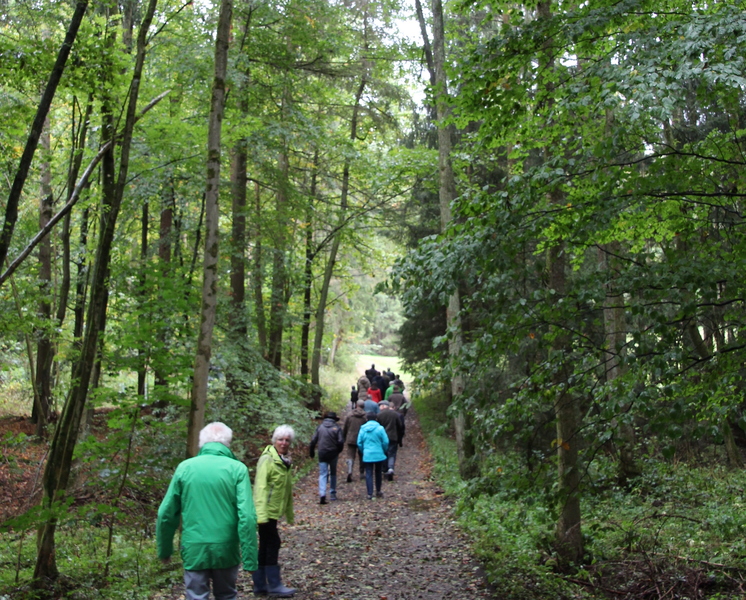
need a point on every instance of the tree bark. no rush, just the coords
(278, 306)
(308, 273)
(258, 271)
(210, 261)
(447, 193)
(568, 534)
(142, 352)
(44, 346)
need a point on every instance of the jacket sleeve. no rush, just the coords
(340, 439)
(260, 488)
(360, 440)
(169, 516)
(246, 521)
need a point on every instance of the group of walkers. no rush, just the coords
(373, 432)
(210, 495)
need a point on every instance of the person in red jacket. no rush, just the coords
(375, 393)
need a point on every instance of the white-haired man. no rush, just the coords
(210, 495)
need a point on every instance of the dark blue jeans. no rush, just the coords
(369, 468)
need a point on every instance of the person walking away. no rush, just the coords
(353, 397)
(370, 406)
(391, 422)
(330, 441)
(375, 393)
(273, 499)
(350, 429)
(373, 442)
(371, 373)
(210, 496)
(362, 385)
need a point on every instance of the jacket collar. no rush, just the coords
(216, 449)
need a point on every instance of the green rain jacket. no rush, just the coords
(273, 487)
(211, 495)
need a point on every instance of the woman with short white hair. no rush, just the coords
(273, 499)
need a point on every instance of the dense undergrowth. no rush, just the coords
(678, 531)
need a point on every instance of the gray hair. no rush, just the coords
(216, 432)
(360, 403)
(283, 431)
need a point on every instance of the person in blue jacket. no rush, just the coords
(373, 443)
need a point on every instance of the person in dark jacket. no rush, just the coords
(210, 497)
(391, 422)
(351, 428)
(372, 373)
(353, 397)
(330, 442)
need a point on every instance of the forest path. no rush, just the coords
(404, 546)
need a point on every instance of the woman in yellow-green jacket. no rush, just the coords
(273, 499)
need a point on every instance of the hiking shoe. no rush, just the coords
(349, 477)
(379, 494)
(333, 497)
(370, 497)
(322, 499)
(390, 476)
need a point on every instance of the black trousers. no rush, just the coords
(269, 543)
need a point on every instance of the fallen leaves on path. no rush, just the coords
(404, 546)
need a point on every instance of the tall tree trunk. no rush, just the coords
(447, 193)
(11, 207)
(142, 352)
(568, 534)
(59, 463)
(44, 346)
(258, 273)
(210, 263)
(567, 414)
(239, 181)
(165, 236)
(237, 313)
(308, 272)
(278, 306)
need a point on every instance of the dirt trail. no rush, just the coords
(404, 546)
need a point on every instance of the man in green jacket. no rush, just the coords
(210, 495)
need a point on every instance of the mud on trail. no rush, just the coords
(404, 546)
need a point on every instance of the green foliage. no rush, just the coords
(678, 513)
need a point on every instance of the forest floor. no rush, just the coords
(404, 546)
